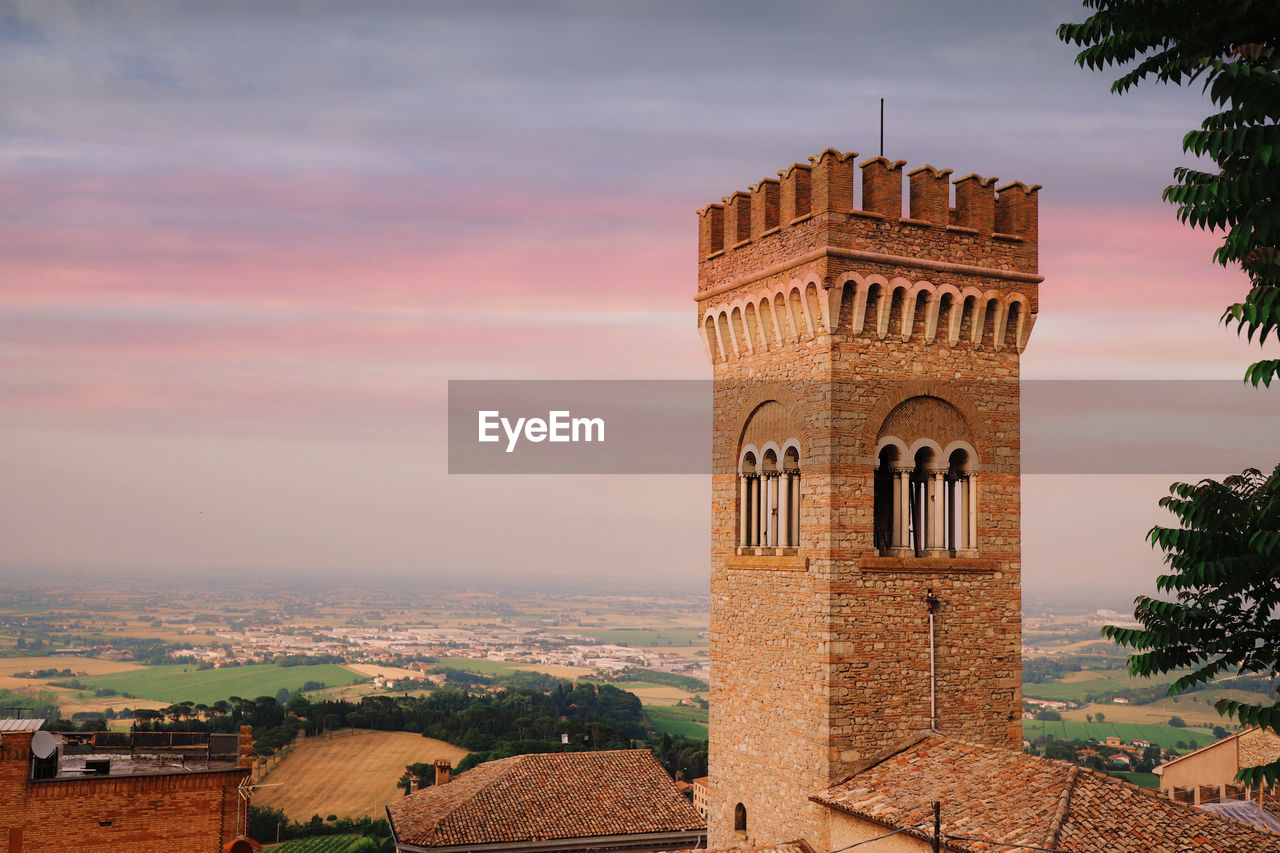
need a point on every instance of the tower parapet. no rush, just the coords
(970, 268)
(986, 225)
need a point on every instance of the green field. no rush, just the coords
(320, 844)
(1076, 691)
(1166, 736)
(479, 667)
(678, 720)
(1142, 780)
(185, 683)
(644, 638)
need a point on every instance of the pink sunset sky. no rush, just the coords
(243, 249)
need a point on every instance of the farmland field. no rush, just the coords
(678, 720)
(320, 844)
(88, 666)
(349, 773)
(654, 694)
(1166, 736)
(572, 673)
(645, 638)
(479, 667)
(182, 683)
(392, 672)
(1142, 780)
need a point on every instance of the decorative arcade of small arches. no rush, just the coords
(926, 498)
(769, 496)
(801, 310)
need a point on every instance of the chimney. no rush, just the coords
(246, 746)
(413, 784)
(443, 768)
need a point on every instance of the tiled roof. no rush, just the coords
(1008, 797)
(547, 796)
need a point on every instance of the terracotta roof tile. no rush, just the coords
(1010, 797)
(547, 796)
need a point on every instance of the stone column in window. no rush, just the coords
(795, 509)
(973, 512)
(936, 513)
(744, 509)
(771, 517)
(784, 506)
(762, 519)
(901, 509)
(951, 486)
(753, 513)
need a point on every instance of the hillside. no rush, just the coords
(366, 763)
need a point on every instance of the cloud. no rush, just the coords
(17, 30)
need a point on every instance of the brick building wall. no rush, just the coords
(828, 325)
(196, 812)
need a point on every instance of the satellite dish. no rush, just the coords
(43, 744)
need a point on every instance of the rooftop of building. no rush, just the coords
(1255, 745)
(1000, 797)
(21, 725)
(543, 797)
(90, 755)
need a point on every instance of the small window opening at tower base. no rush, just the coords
(739, 818)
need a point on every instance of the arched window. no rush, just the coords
(925, 495)
(888, 533)
(739, 818)
(962, 502)
(769, 498)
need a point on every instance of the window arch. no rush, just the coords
(770, 464)
(739, 818)
(769, 497)
(925, 493)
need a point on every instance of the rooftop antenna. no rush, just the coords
(882, 127)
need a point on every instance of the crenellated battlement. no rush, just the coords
(985, 225)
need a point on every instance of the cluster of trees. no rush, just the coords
(274, 723)
(512, 721)
(307, 660)
(45, 673)
(270, 825)
(86, 723)
(682, 757)
(655, 676)
(38, 703)
(1224, 612)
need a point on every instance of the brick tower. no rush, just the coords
(865, 519)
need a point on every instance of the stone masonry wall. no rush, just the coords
(820, 655)
(194, 812)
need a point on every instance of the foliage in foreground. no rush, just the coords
(1224, 561)
(1234, 46)
(1225, 556)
